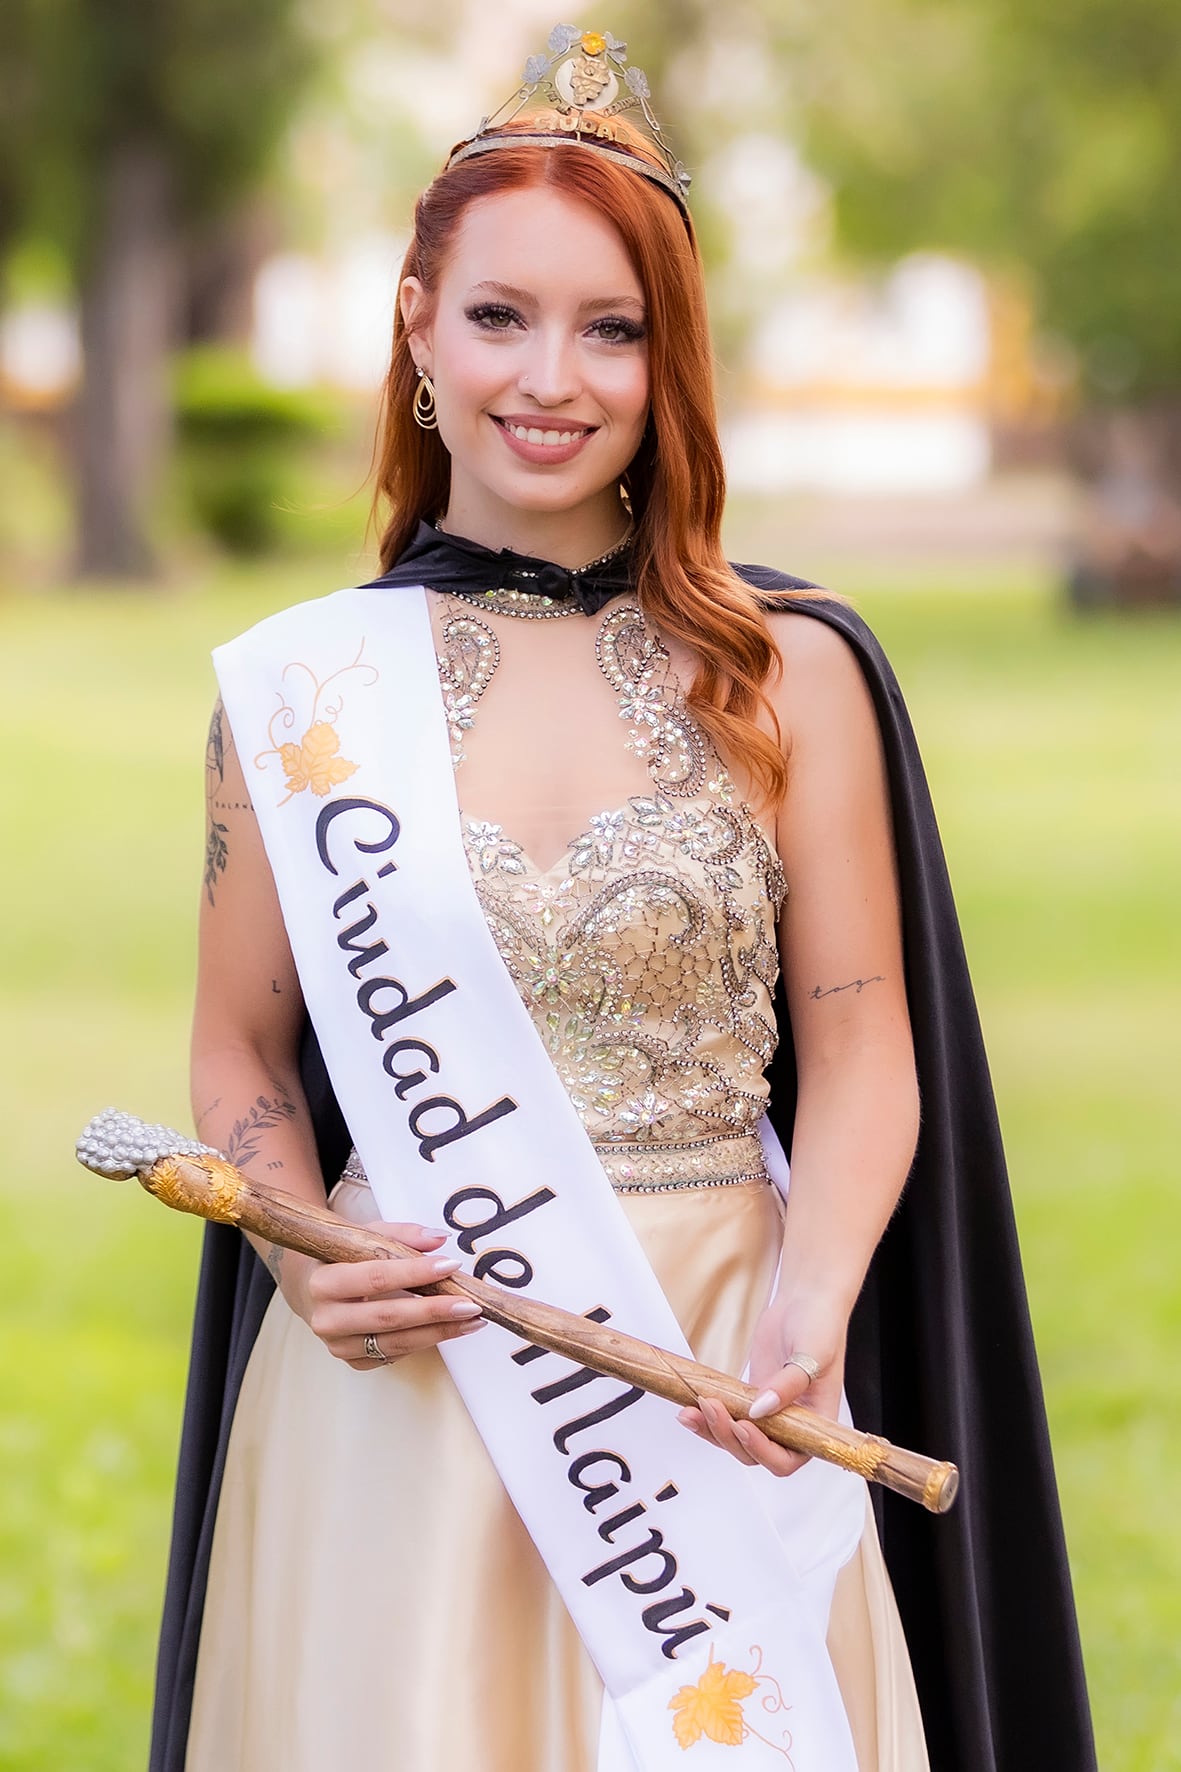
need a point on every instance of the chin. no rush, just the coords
(542, 491)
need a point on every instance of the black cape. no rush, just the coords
(940, 1357)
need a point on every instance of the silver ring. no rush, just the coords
(806, 1364)
(373, 1351)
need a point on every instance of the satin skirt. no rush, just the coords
(375, 1603)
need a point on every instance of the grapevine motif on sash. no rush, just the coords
(314, 761)
(646, 955)
(712, 1710)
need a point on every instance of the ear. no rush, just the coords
(412, 304)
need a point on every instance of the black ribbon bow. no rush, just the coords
(453, 563)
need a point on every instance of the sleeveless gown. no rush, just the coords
(374, 1602)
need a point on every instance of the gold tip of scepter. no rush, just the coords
(941, 1489)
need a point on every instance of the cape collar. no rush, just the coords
(453, 563)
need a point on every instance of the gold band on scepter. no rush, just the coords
(192, 1177)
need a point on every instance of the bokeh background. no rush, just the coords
(944, 244)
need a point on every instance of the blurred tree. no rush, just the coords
(137, 125)
(1043, 141)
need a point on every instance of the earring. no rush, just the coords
(424, 403)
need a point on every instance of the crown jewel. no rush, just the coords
(584, 80)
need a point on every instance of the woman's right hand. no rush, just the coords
(344, 1301)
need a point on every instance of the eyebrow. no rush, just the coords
(509, 293)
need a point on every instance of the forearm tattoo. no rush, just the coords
(245, 1135)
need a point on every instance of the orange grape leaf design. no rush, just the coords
(712, 1707)
(314, 763)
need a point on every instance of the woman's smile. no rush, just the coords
(546, 441)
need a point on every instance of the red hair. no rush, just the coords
(675, 483)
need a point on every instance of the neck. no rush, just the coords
(569, 538)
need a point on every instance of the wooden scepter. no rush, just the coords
(194, 1178)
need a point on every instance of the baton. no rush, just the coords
(194, 1178)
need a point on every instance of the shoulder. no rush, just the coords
(831, 662)
(821, 621)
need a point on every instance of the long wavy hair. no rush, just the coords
(675, 483)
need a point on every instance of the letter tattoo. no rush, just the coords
(855, 984)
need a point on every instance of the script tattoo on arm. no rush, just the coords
(854, 984)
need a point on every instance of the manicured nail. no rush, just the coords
(470, 1328)
(446, 1264)
(465, 1307)
(766, 1403)
(429, 1230)
(744, 1434)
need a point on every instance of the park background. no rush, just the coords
(944, 244)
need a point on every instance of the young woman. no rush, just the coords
(698, 839)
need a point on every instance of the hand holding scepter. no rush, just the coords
(192, 1177)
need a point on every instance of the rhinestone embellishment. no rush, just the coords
(647, 956)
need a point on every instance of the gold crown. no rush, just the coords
(584, 80)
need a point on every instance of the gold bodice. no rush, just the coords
(646, 954)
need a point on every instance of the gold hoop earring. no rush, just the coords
(424, 403)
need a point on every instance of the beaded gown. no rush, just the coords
(374, 1600)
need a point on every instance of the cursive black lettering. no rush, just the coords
(855, 984)
(463, 1127)
(625, 1400)
(507, 1267)
(608, 1528)
(405, 1006)
(525, 1355)
(336, 808)
(358, 889)
(405, 1081)
(364, 954)
(561, 1387)
(654, 1616)
(653, 1546)
(598, 1492)
(470, 1232)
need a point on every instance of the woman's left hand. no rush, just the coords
(788, 1326)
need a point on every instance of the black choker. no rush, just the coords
(453, 563)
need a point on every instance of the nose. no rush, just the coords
(549, 373)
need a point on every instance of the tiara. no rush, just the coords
(585, 80)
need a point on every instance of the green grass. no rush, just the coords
(1054, 750)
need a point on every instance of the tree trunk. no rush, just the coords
(122, 420)
(1129, 546)
(222, 263)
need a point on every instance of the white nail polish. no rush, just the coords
(446, 1264)
(766, 1403)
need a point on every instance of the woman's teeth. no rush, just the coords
(550, 438)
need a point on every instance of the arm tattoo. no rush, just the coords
(217, 747)
(216, 848)
(855, 984)
(242, 1145)
(274, 1262)
(216, 855)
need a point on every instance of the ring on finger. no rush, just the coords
(807, 1365)
(373, 1350)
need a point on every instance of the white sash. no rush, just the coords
(701, 1589)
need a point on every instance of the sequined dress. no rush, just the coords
(374, 1601)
